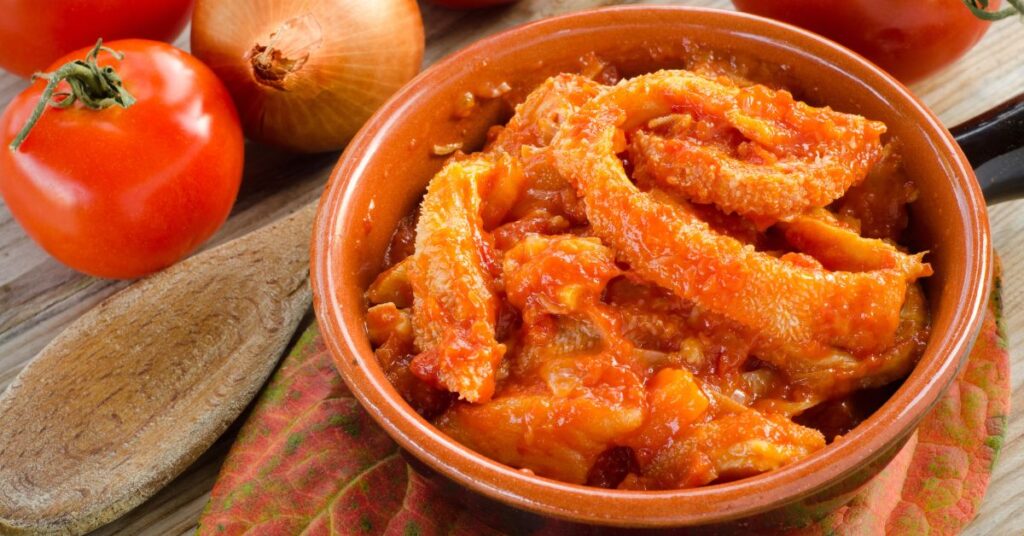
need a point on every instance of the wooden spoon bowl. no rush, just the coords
(136, 389)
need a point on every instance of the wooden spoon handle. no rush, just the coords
(137, 388)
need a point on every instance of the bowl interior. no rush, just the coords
(383, 174)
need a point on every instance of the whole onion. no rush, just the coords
(306, 74)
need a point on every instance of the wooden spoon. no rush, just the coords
(136, 389)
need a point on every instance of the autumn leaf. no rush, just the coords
(937, 481)
(960, 440)
(284, 474)
(309, 460)
(427, 512)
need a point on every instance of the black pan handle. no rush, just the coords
(994, 144)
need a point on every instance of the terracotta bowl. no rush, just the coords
(382, 175)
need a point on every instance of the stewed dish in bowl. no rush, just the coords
(652, 267)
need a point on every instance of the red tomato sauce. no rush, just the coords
(582, 297)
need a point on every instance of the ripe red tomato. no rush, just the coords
(909, 38)
(470, 4)
(122, 192)
(34, 33)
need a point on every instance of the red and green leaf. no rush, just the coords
(936, 483)
(959, 442)
(309, 460)
(284, 473)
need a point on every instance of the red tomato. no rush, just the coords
(470, 4)
(122, 192)
(34, 33)
(909, 38)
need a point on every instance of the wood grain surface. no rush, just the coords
(38, 297)
(85, 425)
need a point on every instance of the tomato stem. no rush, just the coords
(980, 7)
(95, 87)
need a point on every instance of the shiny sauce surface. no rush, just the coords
(678, 279)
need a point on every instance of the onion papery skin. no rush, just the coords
(471, 4)
(340, 60)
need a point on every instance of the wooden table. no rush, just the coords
(38, 296)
